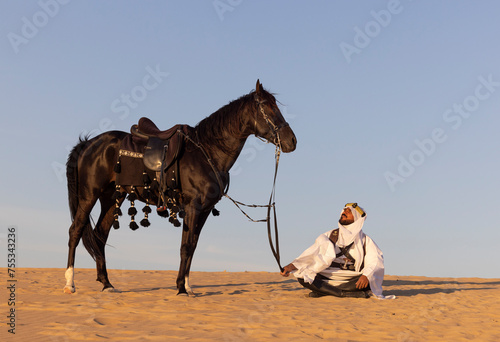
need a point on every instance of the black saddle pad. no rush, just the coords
(131, 161)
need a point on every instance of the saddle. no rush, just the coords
(147, 163)
(160, 145)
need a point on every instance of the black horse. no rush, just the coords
(210, 150)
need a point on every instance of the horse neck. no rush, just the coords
(224, 133)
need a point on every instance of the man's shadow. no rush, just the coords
(411, 287)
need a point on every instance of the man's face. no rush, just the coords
(346, 217)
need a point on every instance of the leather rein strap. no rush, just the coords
(275, 248)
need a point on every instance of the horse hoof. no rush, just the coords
(182, 294)
(110, 289)
(69, 289)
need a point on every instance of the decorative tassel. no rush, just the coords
(177, 196)
(146, 194)
(118, 166)
(162, 211)
(215, 212)
(133, 225)
(182, 214)
(146, 210)
(132, 211)
(132, 196)
(117, 212)
(173, 219)
(154, 185)
(145, 178)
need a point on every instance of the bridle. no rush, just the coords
(271, 205)
(274, 128)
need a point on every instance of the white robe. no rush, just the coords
(318, 258)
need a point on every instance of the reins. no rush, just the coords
(275, 248)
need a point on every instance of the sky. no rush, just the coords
(395, 105)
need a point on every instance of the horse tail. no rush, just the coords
(88, 234)
(72, 175)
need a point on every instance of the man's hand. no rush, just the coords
(362, 282)
(287, 269)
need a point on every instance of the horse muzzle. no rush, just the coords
(288, 139)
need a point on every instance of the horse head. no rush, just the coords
(270, 123)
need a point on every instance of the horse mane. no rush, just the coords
(211, 129)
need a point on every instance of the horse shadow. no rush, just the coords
(245, 287)
(241, 288)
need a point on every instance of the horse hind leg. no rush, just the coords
(70, 280)
(80, 224)
(102, 230)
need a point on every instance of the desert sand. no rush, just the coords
(244, 306)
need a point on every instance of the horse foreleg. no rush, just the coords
(193, 223)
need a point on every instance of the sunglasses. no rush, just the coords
(358, 209)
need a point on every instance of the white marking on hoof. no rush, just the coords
(69, 289)
(70, 280)
(188, 288)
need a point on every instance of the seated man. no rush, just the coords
(343, 262)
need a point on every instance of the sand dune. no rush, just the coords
(245, 306)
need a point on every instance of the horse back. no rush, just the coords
(97, 158)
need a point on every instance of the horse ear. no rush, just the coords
(258, 87)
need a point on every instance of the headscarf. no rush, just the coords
(353, 233)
